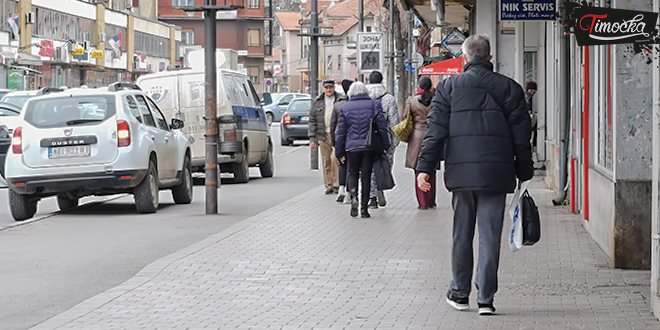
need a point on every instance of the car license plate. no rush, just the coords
(304, 119)
(69, 151)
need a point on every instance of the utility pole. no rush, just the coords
(360, 29)
(314, 34)
(390, 75)
(210, 8)
(410, 53)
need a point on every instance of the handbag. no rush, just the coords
(516, 210)
(531, 222)
(383, 173)
(403, 129)
(373, 141)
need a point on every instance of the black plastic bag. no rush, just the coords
(531, 221)
(382, 172)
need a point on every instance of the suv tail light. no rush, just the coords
(286, 119)
(229, 135)
(123, 134)
(17, 141)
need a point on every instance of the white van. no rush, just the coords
(180, 94)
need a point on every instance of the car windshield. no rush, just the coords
(69, 111)
(19, 100)
(301, 106)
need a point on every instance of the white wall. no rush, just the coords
(71, 7)
(601, 209)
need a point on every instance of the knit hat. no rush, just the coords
(531, 85)
(346, 84)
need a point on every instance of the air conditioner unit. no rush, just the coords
(149, 68)
(60, 54)
(70, 47)
(129, 4)
(86, 36)
(101, 37)
(136, 65)
(85, 45)
(29, 18)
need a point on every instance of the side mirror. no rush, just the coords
(177, 124)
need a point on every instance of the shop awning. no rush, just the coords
(446, 67)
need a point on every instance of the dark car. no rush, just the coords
(8, 121)
(295, 121)
(279, 104)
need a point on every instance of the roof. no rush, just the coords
(308, 5)
(289, 20)
(344, 26)
(349, 8)
(276, 57)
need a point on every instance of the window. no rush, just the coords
(132, 106)
(286, 100)
(254, 38)
(253, 72)
(144, 109)
(603, 105)
(183, 2)
(188, 37)
(368, 28)
(160, 119)
(150, 44)
(253, 4)
(329, 63)
(54, 25)
(255, 97)
(338, 62)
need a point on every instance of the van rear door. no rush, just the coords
(192, 105)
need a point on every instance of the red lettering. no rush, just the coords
(592, 22)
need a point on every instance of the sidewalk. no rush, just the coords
(306, 264)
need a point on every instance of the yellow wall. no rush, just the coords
(24, 29)
(99, 28)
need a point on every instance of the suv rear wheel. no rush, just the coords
(146, 193)
(183, 193)
(22, 207)
(242, 170)
(269, 118)
(65, 203)
(267, 168)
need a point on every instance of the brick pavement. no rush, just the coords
(306, 264)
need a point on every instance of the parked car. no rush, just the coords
(9, 118)
(242, 144)
(275, 110)
(5, 141)
(20, 97)
(96, 142)
(295, 121)
(4, 91)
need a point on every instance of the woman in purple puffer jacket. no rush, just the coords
(350, 147)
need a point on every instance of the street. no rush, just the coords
(56, 260)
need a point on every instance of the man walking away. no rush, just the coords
(319, 134)
(390, 111)
(343, 169)
(483, 117)
(529, 96)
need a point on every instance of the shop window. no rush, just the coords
(253, 72)
(602, 88)
(254, 37)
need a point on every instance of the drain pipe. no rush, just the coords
(563, 166)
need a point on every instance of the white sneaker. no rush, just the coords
(342, 194)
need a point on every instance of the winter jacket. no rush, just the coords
(390, 110)
(316, 131)
(336, 110)
(483, 116)
(353, 126)
(419, 112)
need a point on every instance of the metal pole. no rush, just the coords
(410, 54)
(360, 29)
(390, 75)
(211, 134)
(270, 27)
(314, 71)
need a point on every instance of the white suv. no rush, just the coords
(96, 142)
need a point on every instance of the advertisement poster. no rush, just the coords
(15, 80)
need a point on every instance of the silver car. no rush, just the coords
(96, 142)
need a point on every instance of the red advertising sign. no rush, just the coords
(47, 48)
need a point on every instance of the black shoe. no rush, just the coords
(422, 207)
(329, 191)
(373, 203)
(380, 196)
(460, 304)
(340, 198)
(335, 190)
(486, 309)
(354, 204)
(365, 214)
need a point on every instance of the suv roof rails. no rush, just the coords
(48, 90)
(122, 86)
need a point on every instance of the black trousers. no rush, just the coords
(360, 164)
(343, 172)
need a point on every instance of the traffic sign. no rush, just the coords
(370, 52)
(268, 83)
(417, 59)
(454, 41)
(277, 71)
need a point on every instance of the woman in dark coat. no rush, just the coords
(419, 107)
(352, 131)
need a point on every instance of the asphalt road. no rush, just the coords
(58, 260)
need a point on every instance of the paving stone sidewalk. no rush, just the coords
(306, 264)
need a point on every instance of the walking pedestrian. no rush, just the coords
(483, 117)
(419, 107)
(390, 111)
(352, 131)
(320, 116)
(345, 84)
(529, 96)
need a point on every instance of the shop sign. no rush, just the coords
(525, 10)
(84, 56)
(97, 54)
(277, 71)
(15, 80)
(605, 26)
(78, 51)
(47, 49)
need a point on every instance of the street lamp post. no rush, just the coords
(210, 8)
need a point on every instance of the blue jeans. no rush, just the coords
(485, 209)
(390, 155)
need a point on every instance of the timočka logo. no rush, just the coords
(604, 26)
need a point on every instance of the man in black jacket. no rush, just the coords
(482, 117)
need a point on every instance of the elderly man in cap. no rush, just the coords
(320, 116)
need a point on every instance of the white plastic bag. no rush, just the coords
(515, 212)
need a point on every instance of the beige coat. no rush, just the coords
(419, 113)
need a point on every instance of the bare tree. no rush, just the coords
(401, 44)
